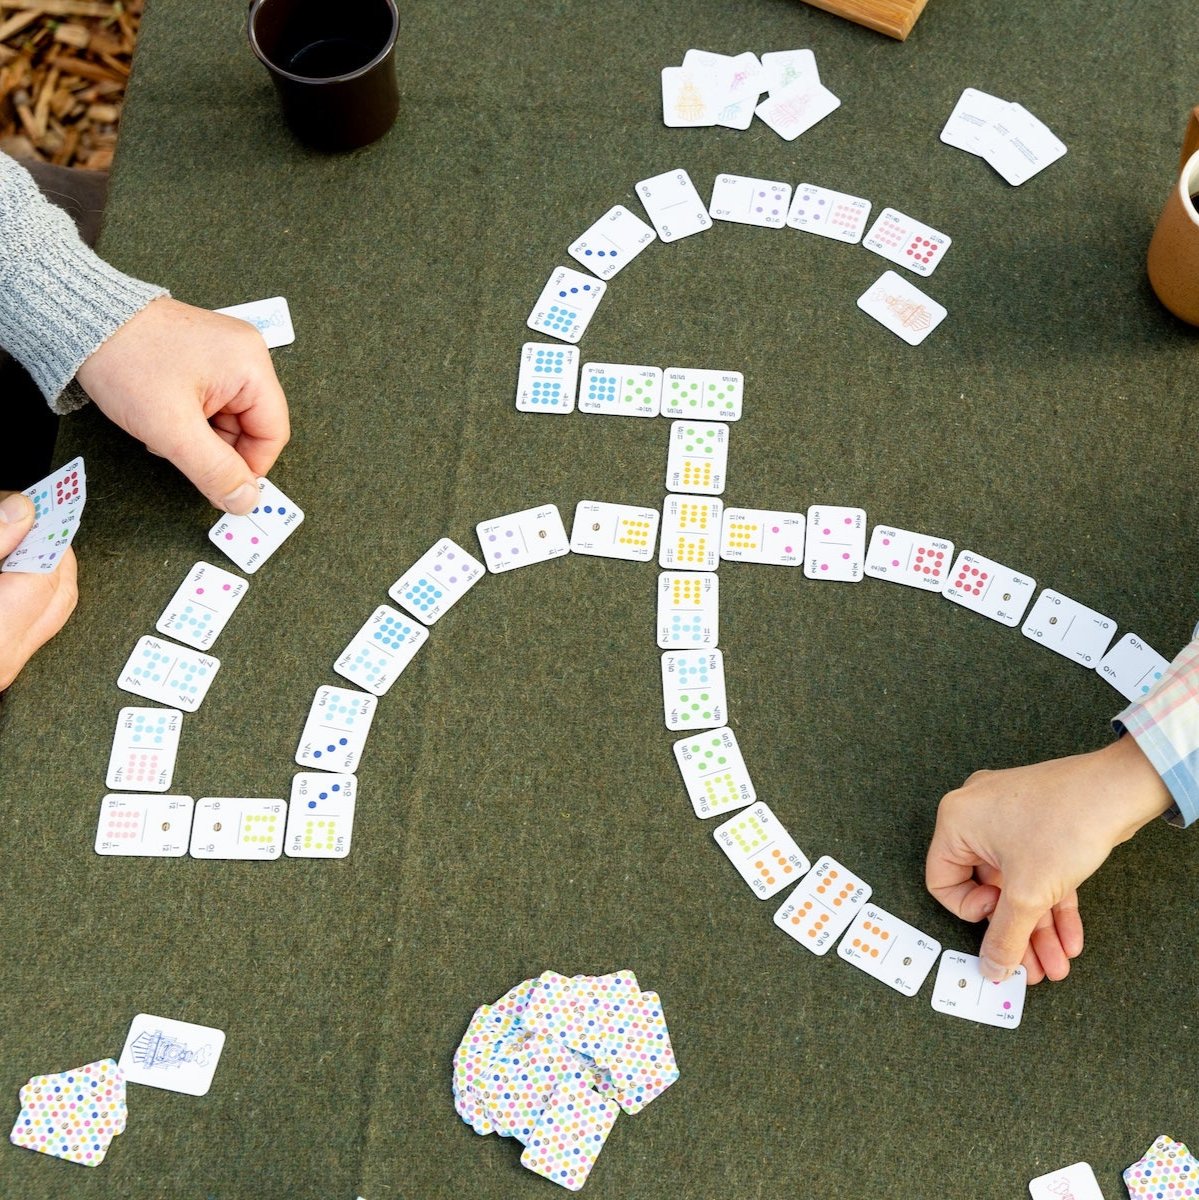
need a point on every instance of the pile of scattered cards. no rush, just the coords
(1169, 1171)
(58, 506)
(554, 1060)
(1003, 133)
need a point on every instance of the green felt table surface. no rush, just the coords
(519, 805)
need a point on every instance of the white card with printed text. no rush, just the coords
(962, 991)
(714, 772)
(244, 827)
(760, 535)
(835, 543)
(688, 610)
(1069, 628)
(250, 540)
(673, 205)
(913, 559)
(822, 907)
(763, 852)
(987, 587)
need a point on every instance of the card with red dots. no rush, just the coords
(688, 610)
(913, 559)
(320, 817)
(381, 649)
(747, 201)
(673, 205)
(437, 581)
(690, 533)
(1076, 1182)
(702, 394)
(826, 901)
(693, 693)
(250, 540)
(169, 674)
(962, 991)
(143, 749)
(835, 543)
(144, 826)
(202, 605)
(830, 214)
(698, 457)
(238, 827)
(900, 306)
(763, 852)
(890, 950)
(176, 1056)
(987, 587)
(1168, 1171)
(521, 539)
(58, 502)
(335, 733)
(566, 304)
(548, 381)
(612, 242)
(1070, 629)
(615, 531)
(1132, 667)
(620, 390)
(714, 773)
(761, 535)
(904, 240)
(569, 1134)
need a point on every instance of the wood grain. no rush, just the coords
(895, 18)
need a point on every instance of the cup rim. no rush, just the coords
(272, 66)
(1188, 186)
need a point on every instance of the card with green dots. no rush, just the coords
(693, 692)
(698, 458)
(763, 852)
(714, 772)
(620, 390)
(705, 395)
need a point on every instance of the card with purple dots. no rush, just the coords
(202, 606)
(238, 827)
(702, 394)
(144, 748)
(169, 674)
(612, 242)
(335, 733)
(436, 581)
(836, 543)
(144, 826)
(320, 817)
(693, 692)
(549, 378)
(566, 304)
(747, 201)
(912, 559)
(830, 214)
(962, 991)
(250, 540)
(522, 538)
(381, 649)
(762, 535)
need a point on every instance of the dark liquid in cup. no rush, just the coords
(330, 57)
(1195, 203)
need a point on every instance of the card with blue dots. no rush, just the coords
(693, 693)
(250, 540)
(437, 581)
(144, 826)
(746, 201)
(320, 817)
(688, 610)
(714, 772)
(144, 748)
(690, 533)
(763, 852)
(614, 531)
(169, 674)
(617, 390)
(548, 379)
(702, 394)
(673, 205)
(58, 502)
(1132, 667)
(762, 535)
(335, 733)
(202, 605)
(612, 242)
(698, 457)
(520, 539)
(819, 911)
(238, 827)
(381, 649)
(566, 304)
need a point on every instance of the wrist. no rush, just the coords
(1129, 789)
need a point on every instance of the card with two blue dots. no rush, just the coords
(335, 733)
(566, 304)
(320, 818)
(612, 242)
(548, 379)
(381, 649)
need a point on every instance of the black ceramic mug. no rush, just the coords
(333, 65)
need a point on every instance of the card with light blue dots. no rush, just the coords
(58, 502)
(320, 817)
(437, 581)
(335, 733)
(693, 693)
(1132, 667)
(381, 649)
(688, 610)
(144, 748)
(247, 827)
(548, 379)
(620, 390)
(202, 605)
(612, 242)
(566, 304)
(169, 674)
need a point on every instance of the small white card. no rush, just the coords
(1019, 146)
(961, 991)
(987, 587)
(698, 457)
(913, 559)
(747, 201)
(202, 605)
(620, 390)
(704, 395)
(272, 318)
(688, 610)
(1076, 1182)
(890, 950)
(820, 909)
(320, 817)
(693, 693)
(381, 649)
(614, 531)
(714, 772)
(548, 379)
(436, 581)
(761, 535)
(246, 827)
(830, 214)
(673, 204)
(1069, 628)
(763, 852)
(173, 1055)
(902, 307)
(169, 674)
(144, 748)
(690, 533)
(969, 125)
(142, 826)
(250, 540)
(835, 544)
(566, 304)
(904, 240)
(745, 82)
(1132, 667)
(796, 108)
(520, 539)
(692, 96)
(784, 68)
(335, 733)
(612, 242)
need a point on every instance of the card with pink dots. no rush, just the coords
(150, 826)
(763, 852)
(890, 950)
(962, 991)
(913, 559)
(569, 1134)
(250, 540)
(820, 909)
(761, 535)
(73, 1115)
(836, 543)
(144, 748)
(907, 242)
(521, 539)
(246, 827)
(987, 587)
(202, 605)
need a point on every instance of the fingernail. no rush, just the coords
(992, 970)
(242, 499)
(988, 909)
(14, 508)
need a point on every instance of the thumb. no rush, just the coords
(1007, 938)
(217, 470)
(16, 519)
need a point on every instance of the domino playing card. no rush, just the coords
(436, 581)
(144, 748)
(913, 559)
(690, 533)
(522, 538)
(1018, 145)
(969, 125)
(1069, 628)
(821, 908)
(693, 693)
(58, 502)
(570, 1133)
(961, 991)
(705, 395)
(173, 1055)
(698, 457)
(614, 531)
(836, 543)
(144, 826)
(830, 214)
(673, 205)
(335, 733)
(745, 82)
(566, 304)
(890, 950)
(617, 390)
(202, 605)
(714, 772)
(783, 68)
(1132, 667)
(548, 379)
(761, 535)
(1076, 1182)
(763, 852)
(692, 96)
(381, 649)
(797, 107)
(747, 201)
(906, 241)
(250, 540)
(169, 674)
(688, 610)
(989, 588)
(612, 242)
(902, 307)
(238, 827)
(320, 817)
(272, 318)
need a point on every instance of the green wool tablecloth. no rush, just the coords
(519, 805)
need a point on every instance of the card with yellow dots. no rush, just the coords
(238, 827)
(762, 535)
(699, 394)
(614, 531)
(819, 910)
(620, 390)
(890, 950)
(693, 691)
(320, 817)
(763, 852)
(714, 772)
(698, 457)
(1168, 1171)
(688, 609)
(690, 533)
(144, 826)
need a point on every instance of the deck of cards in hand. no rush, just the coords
(58, 502)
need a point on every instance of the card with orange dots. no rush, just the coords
(144, 826)
(913, 559)
(614, 531)
(763, 852)
(690, 533)
(819, 910)
(891, 950)
(761, 535)
(569, 1135)
(714, 772)
(238, 827)
(688, 610)
(698, 457)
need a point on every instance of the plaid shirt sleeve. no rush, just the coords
(1166, 728)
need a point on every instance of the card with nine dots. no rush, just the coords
(702, 394)
(335, 733)
(690, 533)
(688, 610)
(202, 605)
(566, 304)
(913, 559)
(437, 581)
(693, 693)
(763, 852)
(522, 538)
(714, 773)
(614, 531)
(908, 242)
(250, 540)
(169, 674)
(381, 649)
(612, 242)
(548, 379)
(761, 535)
(836, 543)
(826, 901)
(238, 827)
(320, 817)
(890, 950)
(698, 458)
(987, 587)
(144, 748)
(144, 826)
(961, 990)
(620, 390)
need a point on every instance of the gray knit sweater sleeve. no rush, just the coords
(58, 300)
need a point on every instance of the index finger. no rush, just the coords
(257, 424)
(950, 878)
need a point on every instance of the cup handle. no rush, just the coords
(1190, 140)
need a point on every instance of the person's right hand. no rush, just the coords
(33, 606)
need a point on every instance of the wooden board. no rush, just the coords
(895, 18)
